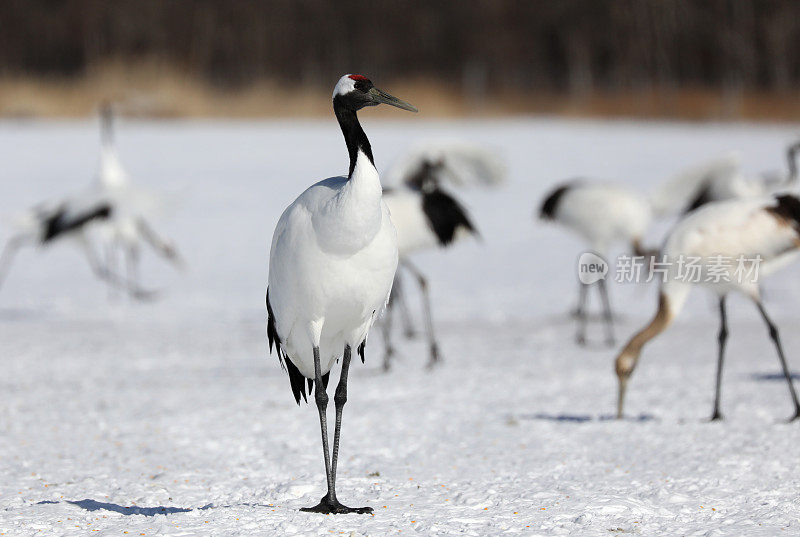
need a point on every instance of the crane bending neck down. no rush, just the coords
(670, 302)
(763, 234)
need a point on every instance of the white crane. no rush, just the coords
(764, 233)
(602, 214)
(128, 228)
(331, 266)
(427, 216)
(67, 220)
(73, 218)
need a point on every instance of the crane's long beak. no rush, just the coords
(381, 97)
(623, 385)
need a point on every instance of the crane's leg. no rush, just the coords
(339, 399)
(7, 257)
(132, 264)
(423, 286)
(109, 277)
(607, 315)
(580, 337)
(111, 266)
(321, 398)
(386, 329)
(773, 334)
(162, 246)
(722, 338)
(400, 298)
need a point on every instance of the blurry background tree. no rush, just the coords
(694, 58)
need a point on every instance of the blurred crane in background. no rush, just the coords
(722, 179)
(427, 216)
(128, 228)
(756, 237)
(67, 220)
(602, 214)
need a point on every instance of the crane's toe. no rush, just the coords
(434, 356)
(326, 506)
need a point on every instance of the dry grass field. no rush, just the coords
(153, 89)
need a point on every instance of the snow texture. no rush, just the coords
(170, 418)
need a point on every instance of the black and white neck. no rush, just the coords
(346, 102)
(351, 94)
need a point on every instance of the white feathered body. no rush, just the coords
(731, 229)
(332, 263)
(604, 214)
(131, 203)
(112, 182)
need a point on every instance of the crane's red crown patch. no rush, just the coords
(360, 78)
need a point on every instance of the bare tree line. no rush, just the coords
(480, 45)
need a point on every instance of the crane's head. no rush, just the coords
(426, 176)
(354, 92)
(624, 365)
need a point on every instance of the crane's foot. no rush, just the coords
(387, 361)
(795, 417)
(326, 506)
(580, 339)
(717, 416)
(434, 357)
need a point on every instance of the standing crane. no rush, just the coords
(602, 214)
(427, 216)
(331, 267)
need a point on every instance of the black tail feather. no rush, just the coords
(550, 204)
(788, 207)
(445, 215)
(325, 378)
(296, 378)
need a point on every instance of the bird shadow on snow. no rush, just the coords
(584, 418)
(773, 376)
(93, 505)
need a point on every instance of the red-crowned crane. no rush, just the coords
(129, 227)
(765, 233)
(428, 216)
(331, 267)
(602, 214)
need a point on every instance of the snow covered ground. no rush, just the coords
(169, 418)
